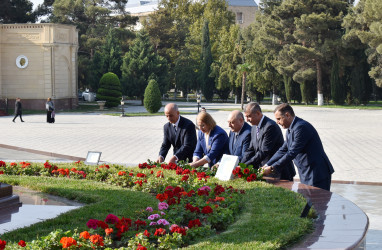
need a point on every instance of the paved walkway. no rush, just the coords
(352, 139)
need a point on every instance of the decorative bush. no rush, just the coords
(152, 100)
(109, 90)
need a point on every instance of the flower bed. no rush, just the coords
(190, 206)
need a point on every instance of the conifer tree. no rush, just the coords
(338, 90)
(109, 90)
(206, 82)
(140, 65)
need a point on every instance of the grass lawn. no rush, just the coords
(269, 216)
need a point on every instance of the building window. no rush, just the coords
(239, 17)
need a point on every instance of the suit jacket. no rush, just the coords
(218, 145)
(304, 147)
(183, 141)
(265, 146)
(241, 143)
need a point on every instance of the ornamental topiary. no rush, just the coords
(109, 90)
(152, 98)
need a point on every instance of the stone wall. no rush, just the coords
(247, 17)
(38, 61)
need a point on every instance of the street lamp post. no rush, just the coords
(122, 107)
(198, 101)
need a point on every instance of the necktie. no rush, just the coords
(257, 132)
(175, 128)
(235, 138)
(287, 135)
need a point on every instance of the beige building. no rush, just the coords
(38, 61)
(244, 10)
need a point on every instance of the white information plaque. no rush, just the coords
(226, 166)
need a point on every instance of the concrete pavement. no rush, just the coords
(351, 138)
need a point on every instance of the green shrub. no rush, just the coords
(109, 90)
(152, 98)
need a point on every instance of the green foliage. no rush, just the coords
(307, 92)
(338, 90)
(206, 82)
(140, 65)
(152, 100)
(109, 90)
(16, 11)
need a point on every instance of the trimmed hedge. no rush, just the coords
(110, 90)
(152, 98)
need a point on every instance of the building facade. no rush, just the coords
(38, 61)
(244, 10)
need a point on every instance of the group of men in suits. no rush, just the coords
(261, 145)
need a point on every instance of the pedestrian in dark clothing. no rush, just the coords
(49, 111)
(18, 110)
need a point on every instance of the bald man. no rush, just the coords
(180, 133)
(240, 134)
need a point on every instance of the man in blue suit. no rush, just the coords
(240, 134)
(303, 145)
(180, 133)
(266, 139)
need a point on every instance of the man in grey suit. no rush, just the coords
(240, 134)
(303, 145)
(266, 139)
(180, 133)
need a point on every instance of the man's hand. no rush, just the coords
(267, 170)
(173, 159)
(160, 159)
(215, 167)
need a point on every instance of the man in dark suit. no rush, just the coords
(240, 134)
(178, 132)
(303, 145)
(266, 139)
(18, 110)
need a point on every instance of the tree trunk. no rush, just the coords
(320, 95)
(243, 89)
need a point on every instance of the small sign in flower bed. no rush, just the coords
(190, 205)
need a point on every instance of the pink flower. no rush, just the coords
(154, 216)
(162, 206)
(163, 222)
(153, 223)
(205, 188)
(149, 209)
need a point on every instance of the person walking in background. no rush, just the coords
(49, 106)
(266, 139)
(18, 109)
(178, 132)
(303, 145)
(212, 141)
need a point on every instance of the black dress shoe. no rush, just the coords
(14, 121)
(22, 121)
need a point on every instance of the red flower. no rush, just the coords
(160, 231)
(97, 240)
(22, 243)
(140, 223)
(2, 244)
(85, 235)
(120, 173)
(207, 210)
(68, 242)
(1, 172)
(146, 233)
(111, 218)
(162, 197)
(178, 229)
(141, 175)
(160, 174)
(194, 223)
(131, 174)
(3, 164)
(108, 231)
(219, 189)
(140, 247)
(246, 171)
(185, 178)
